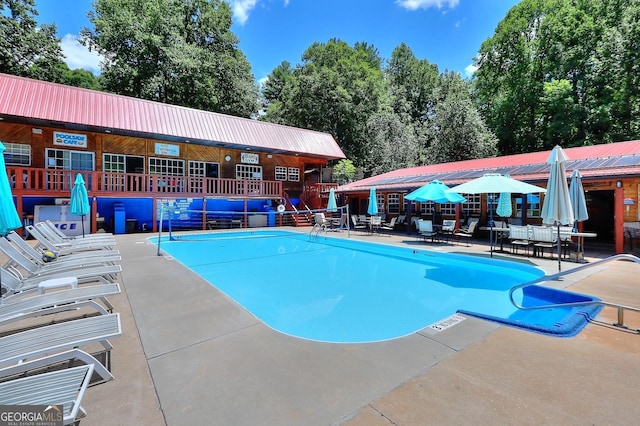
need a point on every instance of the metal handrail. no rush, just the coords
(619, 307)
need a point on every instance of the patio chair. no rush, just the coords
(13, 282)
(374, 223)
(61, 249)
(14, 308)
(466, 232)
(389, 226)
(35, 342)
(425, 229)
(106, 242)
(542, 237)
(448, 228)
(519, 238)
(36, 254)
(357, 224)
(60, 387)
(34, 264)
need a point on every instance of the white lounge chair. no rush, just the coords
(36, 254)
(18, 308)
(61, 249)
(106, 242)
(62, 235)
(60, 387)
(13, 282)
(36, 267)
(36, 342)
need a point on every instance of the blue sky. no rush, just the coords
(445, 32)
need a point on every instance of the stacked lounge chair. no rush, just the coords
(52, 315)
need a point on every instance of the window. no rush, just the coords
(294, 174)
(281, 173)
(533, 206)
(380, 201)
(393, 203)
(63, 159)
(17, 154)
(115, 166)
(166, 166)
(473, 205)
(202, 169)
(244, 171)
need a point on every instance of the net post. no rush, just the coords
(160, 228)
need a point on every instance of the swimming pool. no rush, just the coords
(338, 290)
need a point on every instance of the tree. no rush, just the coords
(26, 49)
(344, 171)
(458, 131)
(334, 90)
(391, 144)
(177, 52)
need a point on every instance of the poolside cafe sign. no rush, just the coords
(167, 149)
(70, 139)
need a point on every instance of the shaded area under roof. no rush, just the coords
(40, 103)
(614, 160)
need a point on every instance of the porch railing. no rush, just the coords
(34, 180)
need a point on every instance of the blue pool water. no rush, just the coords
(338, 290)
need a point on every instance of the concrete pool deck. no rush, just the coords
(189, 355)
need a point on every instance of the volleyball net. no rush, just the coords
(173, 219)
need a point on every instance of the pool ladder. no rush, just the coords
(619, 307)
(317, 228)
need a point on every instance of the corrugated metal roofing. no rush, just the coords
(82, 109)
(597, 161)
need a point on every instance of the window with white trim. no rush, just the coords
(294, 174)
(281, 173)
(17, 154)
(393, 203)
(166, 166)
(473, 205)
(203, 169)
(64, 159)
(380, 202)
(245, 171)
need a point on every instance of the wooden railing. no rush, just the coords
(36, 181)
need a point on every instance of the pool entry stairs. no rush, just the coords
(586, 302)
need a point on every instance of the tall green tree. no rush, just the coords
(335, 89)
(26, 48)
(391, 143)
(180, 52)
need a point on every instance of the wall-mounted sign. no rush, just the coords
(167, 149)
(70, 139)
(628, 201)
(248, 158)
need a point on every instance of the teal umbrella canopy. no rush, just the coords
(436, 192)
(9, 218)
(373, 202)
(578, 200)
(79, 199)
(504, 204)
(332, 204)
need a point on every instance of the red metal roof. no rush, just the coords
(598, 161)
(42, 102)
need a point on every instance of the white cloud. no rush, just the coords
(470, 70)
(426, 4)
(78, 56)
(242, 8)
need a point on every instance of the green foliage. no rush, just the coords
(562, 72)
(177, 52)
(344, 171)
(26, 49)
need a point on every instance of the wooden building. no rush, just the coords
(136, 155)
(611, 180)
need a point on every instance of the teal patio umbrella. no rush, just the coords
(372, 209)
(9, 218)
(436, 192)
(79, 200)
(504, 203)
(332, 205)
(556, 208)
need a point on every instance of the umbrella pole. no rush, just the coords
(82, 221)
(490, 228)
(558, 241)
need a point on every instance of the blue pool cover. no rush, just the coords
(558, 321)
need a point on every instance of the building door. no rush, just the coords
(600, 205)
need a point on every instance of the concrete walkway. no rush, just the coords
(191, 356)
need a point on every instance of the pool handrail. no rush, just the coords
(619, 307)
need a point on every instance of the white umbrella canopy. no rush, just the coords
(578, 201)
(556, 208)
(494, 183)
